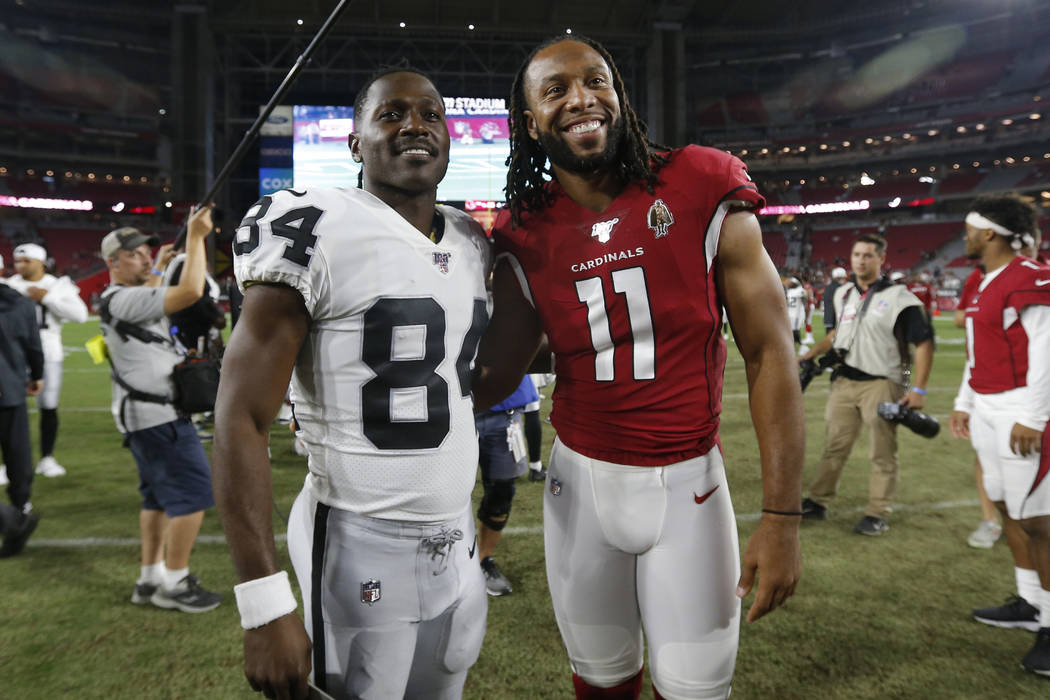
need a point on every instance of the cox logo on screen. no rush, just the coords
(272, 184)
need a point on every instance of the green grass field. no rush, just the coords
(872, 618)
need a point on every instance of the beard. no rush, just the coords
(561, 155)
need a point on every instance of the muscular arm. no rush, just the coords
(750, 290)
(256, 369)
(513, 336)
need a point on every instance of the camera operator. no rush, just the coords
(174, 476)
(875, 321)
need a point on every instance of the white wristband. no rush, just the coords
(265, 599)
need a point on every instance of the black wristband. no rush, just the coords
(796, 513)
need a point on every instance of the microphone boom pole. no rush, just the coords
(256, 127)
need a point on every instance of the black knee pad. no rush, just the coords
(494, 510)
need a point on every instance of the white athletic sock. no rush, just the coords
(1044, 609)
(536, 466)
(173, 576)
(153, 573)
(1028, 586)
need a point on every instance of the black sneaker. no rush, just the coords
(1038, 659)
(871, 526)
(537, 474)
(811, 510)
(15, 542)
(189, 596)
(143, 592)
(1015, 612)
(495, 582)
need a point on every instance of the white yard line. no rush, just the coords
(90, 542)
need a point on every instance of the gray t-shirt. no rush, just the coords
(144, 366)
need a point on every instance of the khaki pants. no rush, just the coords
(851, 405)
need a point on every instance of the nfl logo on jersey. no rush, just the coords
(603, 230)
(441, 260)
(371, 591)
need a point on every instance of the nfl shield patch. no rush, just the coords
(371, 591)
(441, 260)
(555, 487)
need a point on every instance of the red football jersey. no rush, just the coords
(628, 300)
(996, 342)
(970, 287)
(924, 292)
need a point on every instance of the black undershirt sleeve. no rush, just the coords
(913, 324)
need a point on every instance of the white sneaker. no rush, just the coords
(986, 535)
(4, 481)
(47, 466)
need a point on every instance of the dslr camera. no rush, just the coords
(915, 421)
(808, 369)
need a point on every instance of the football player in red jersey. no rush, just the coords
(1004, 403)
(624, 252)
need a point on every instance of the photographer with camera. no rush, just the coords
(174, 475)
(1004, 402)
(875, 321)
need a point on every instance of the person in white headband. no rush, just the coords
(1003, 404)
(57, 301)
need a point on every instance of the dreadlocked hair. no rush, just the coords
(401, 66)
(639, 159)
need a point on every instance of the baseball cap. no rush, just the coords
(125, 238)
(838, 272)
(32, 251)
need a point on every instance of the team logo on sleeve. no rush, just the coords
(371, 591)
(603, 230)
(441, 260)
(659, 218)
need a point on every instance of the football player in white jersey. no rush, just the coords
(798, 306)
(373, 301)
(57, 301)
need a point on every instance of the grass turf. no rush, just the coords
(873, 617)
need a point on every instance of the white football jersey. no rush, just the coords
(381, 387)
(797, 301)
(61, 303)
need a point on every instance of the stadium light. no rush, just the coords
(1007, 121)
(980, 127)
(118, 207)
(299, 22)
(894, 203)
(865, 179)
(845, 144)
(401, 24)
(1035, 115)
(470, 27)
(168, 204)
(932, 132)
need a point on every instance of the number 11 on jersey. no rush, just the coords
(630, 283)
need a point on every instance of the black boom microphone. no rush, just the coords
(252, 132)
